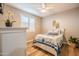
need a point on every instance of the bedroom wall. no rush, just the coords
(6, 10)
(69, 20)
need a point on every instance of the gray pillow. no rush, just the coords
(52, 33)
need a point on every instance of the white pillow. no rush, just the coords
(56, 31)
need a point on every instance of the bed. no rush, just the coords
(50, 42)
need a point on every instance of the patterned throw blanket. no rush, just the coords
(48, 43)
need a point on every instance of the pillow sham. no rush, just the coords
(52, 33)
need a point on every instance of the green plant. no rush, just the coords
(9, 23)
(72, 39)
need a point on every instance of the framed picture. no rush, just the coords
(1, 8)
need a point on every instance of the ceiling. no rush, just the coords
(54, 7)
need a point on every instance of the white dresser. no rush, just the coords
(12, 41)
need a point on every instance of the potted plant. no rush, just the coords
(73, 41)
(9, 23)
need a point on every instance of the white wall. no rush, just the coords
(68, 20)
(4, 17)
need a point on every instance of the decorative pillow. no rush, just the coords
(40, 39)
(52, 33)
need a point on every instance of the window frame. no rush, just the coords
(29, 23)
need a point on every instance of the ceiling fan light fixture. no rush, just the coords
(43, 10)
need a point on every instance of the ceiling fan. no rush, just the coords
(44, 7)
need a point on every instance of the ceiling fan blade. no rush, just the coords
(48, 8)
(44, 8)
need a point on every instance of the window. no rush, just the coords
(28, 22)
(24, 21)
(32, 24)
